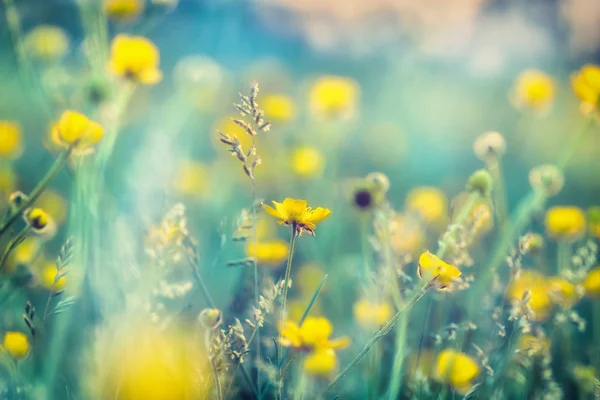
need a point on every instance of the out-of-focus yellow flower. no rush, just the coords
(37, 218)
(54, 204)
(591, 283)
(16, 344)
(11, 144)
(565, 223)
(190, 178)
(540, 301)
(372, 314)
(75, 129)
(278, 108)
(333, 97)
(431, 266)
(533, 345)
(320, 363)
(407, 235)
(429, 203)
(563, 292)
(307, 161)
(25, 253)
(123, 9)
(48, 275)
(457, 370)
(594, 221)
(586, 85)
(135, 58)
(534, 90)
(269, 253)
(420, 364)
(308, 278)
(47, 42)
(313, 334)
(296, 308)
(296, 213)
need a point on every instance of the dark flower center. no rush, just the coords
(363, 199)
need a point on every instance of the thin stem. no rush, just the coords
(381, 332)
(207, 341)
(499, 192)
(462, 215)
(576, 143)
(255, 262)
(563, 256)
(192, 260)
(13, 244)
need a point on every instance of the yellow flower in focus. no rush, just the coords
(534, 90)
(320, 363)
(54, 204)
(407, 235)
(593, 217)
(431, 266)
(457, 370)
(278, 108)
(430, 203)
(47, 42)
(563, 292)
(270, 253)
(75, 129)
(333, 97)
(296, 213)
(16, 344)
(565, 223)
(540, 301)
(586, 85)
(11, 143)
(307, 161)
(308, 278)
(420, 363)
(123, 9)
(48, 276)
(313, 334)
(533, 345)
(135, 58)
(190, 178)
(372, 314)
(591, 284)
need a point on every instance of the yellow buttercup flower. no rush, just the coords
(456, 369)
(313, 334)
(372, 314)
(307, 161)
(16, 344)
(123, 9)
(37, 218)
(47, 42)
(333, 97)
(269, 253)
(593, 216)
(278, 108)
(135, 58)
(540, 301)
(320, 363)
(586, 85)
(591, 284)
(430, 203)
(11, 142)
(75, 129)
(431, 266)
(296, 213)
(48, 276)
(565, 223)
(563, 292)
(534, 90)
(190, 178)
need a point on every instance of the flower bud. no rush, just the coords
(547, 178)
(210, 318)
(482, 182)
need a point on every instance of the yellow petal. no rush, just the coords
(294, 208)
(320, 363)
(274, 212)
(591, 73)
(315, 330)
(150, 76)
(319, 214)
(339, 343)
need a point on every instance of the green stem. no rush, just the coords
(37, 191)
(248, 380)
(500, 196)
(576, 143)
(462, 215)
(564, 256)
(396, 377)
(13, 244)
(381, 332)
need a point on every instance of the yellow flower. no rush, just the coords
(270, 253)
(190, 178)
(594, 221)
(533, 345)
(54, 204)
(565, 223)
(540, 301)
(431, 266)
(308, 278)
(456, 369)
(296, 213)
(534, 89)
(586, 84)
(25, 253)
(591, 284)
(307, 161)
(333, 97)
(37, 218)
(75, 129)
(48, 276)
(123, 9)
(313, 334)
(320, 363)
(278, 108)
(135, 58)
(430, 203)
(16, 344)
(563, 292)
(420, 363)
(406, 235)
(47, 42)
(372, 314)
(11, 145)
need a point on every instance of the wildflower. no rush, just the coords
(456, 369)
(591, 284)
(533, 346)
(296, 213)
(312, 335)
(307, 161)
(75, 129)
(11, 145)
(190, 178)
(593, 216)
(547, 178)
(25, 253)
(47, 42)
(16, 344)
(333, 97)
(367, 194)
(50, 280)
(586, 85)
(489, 144)
(320, 363)
(269, 253)
(536, 285)
(37, 218)
(431, 266)
(135, 58)
(278, 108)
(407, 236)
(308, 278)
(429, 203)
(372, 314)
(481, 182)
(210, 318)
(563, 292)
(565, 223)
(123, 9)
(54, 204)
(534, 90)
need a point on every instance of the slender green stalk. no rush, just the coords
(288, 272)
(381, 332)
(396, 377)
(564, 256)
(14, 242)
(192, 260)
(312, 300)
(207, 341)
(499, 192)
(462, 215)
(37, 191)
(575, 143)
